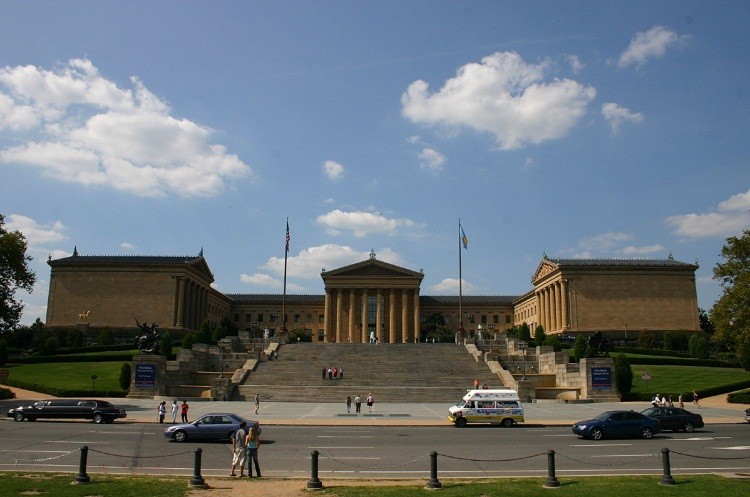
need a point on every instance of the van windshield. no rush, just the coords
(461, 404)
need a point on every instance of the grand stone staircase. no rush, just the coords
(413, 373)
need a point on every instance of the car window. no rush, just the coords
(87, 403)
(617, 416)
(632, 416)
(41, 403)
(224, 420)
(486, 404)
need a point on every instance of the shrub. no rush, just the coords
(188, 340)
(623, 375)
(300, 335)
(539, 335)
(554, 341)
(6, 393)
(646, 340)
(105, 337)
(125, 373)
(579, 348)
(166, 344)
(3, 352)
(699, 346)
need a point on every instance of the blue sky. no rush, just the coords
(572, 129)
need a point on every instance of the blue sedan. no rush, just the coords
(214, 426)
(617, 424)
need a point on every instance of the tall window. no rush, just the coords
(309, 318)
(260, 317)
(483, 319)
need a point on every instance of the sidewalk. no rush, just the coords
(713, 410)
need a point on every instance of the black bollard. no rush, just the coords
(83, 477)
(551, 478)
(197, 481)
(666, 477)
(433, 483)
(314, 483)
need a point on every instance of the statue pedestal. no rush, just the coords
(148, 376)
(599, 382)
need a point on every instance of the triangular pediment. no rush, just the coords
(371, 268)
(545, 267)
(201, 266)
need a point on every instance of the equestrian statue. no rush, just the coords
(148, 340)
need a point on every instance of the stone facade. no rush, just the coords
(569, 296)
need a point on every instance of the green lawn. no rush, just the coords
(21, 484)
(667, 380)
(69, 375)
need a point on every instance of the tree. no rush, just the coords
(3, 352)
(580, 346)
(539, 335)
(524, 333)
(706, 325)
(731, 313)
(14, 275)
(165, 347)
(623, 375)
(203, 335)
(125, 372)
(699, 345)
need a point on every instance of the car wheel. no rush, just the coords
(507, 422)
(461, 422)
(98, 418)
(596, 434)
(18, 416)
(180, 436)
(647, 432)
(689, 428)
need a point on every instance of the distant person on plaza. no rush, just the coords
(341, 373)
(485, 387)
(252, 443)
(184, 411)
(476, 383)
(324, 373)
(175, 408)
(257, 403)
(695, 398)
(238, 449)
(162, 411)
(656, 402)
(357, 404)
(372, 337)
(680, 402)
(370, 401)
(348, 404)
(335, 372)
(669, 401)
(330, 373)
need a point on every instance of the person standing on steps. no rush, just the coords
(357, 404)
(348, 404)
(370, 401)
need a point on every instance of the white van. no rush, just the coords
(497, 406)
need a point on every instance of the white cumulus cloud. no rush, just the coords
(431, 159)
(616, 115)
(732, 216)
(76, 126)
(449, 286)
(36, 234)
(504, 96)
(361, 223)
(333, 169)
(650, 45)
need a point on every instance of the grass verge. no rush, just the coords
(69, 375)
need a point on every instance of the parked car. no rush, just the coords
(617, 424)
(99, 411)
(674, 418)
(215, 426)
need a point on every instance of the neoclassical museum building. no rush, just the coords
(567, 296)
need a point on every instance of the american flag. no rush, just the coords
(288, 237)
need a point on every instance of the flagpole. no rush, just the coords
(460, 331)
(283, 297)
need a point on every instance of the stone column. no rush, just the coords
(352, 298)
(339, 309)
(365, 337)
(541, 308)
(327, 317)
(416, 313)
(548, 290)
(392, 316)
(405, 335)
(565, 305)
(379, 317)
(558, 299)
(191, 305)
(180, 301)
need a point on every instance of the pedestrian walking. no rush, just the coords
(252, 443)
(238, 449)
(257, 403)
(341, 373)
(695, 398)
(370, 401)
(348, 404)
(324, 373)
(184, 411)
(680, 402)
(357, 404)
(330, 373)
(162, 409)
(175, 408)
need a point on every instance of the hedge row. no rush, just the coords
(74, 358)
(658, 352)
(677, 361)
(96, 348)
(688, 396)
(739, 397)
(64, 392)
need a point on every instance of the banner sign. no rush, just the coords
(145, 375)
(601, 378)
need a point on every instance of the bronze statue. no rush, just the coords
(148, 341)
(597, 345)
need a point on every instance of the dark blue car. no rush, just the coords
(617, 424)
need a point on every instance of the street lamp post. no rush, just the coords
(223, 345)
(254, 325)
(523, 346)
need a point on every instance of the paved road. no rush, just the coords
(372, 451)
